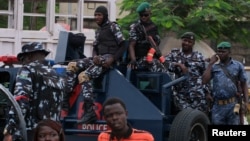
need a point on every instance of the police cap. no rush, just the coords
(31, 47)
(188, 35)
(143, 7)
(224, 45)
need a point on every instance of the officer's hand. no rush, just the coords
(108, 62)
(132, 64)
(244, 108)
(213, 59)
(97, 60)
(7, 137)
(209, 98)
(183, 68)
(72, 67)
(248, 109)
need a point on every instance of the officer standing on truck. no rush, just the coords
(185, 61)
(229, 77)
(38, 91)
(142, 54)
(109, 46)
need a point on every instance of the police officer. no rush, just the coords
(142, 54)
(109, 46)
(190, 93)
(229, 77)
(38, 90)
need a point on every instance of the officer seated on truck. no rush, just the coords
(108, 48)
(143, 43)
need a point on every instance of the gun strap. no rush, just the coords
(233, 79)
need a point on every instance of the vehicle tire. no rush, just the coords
(189, 125)
(4, 92)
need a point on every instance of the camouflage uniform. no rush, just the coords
(36, 103)
(107, 44)
(38, 91)
(190, 93)
(223, 114)
(87, 65)
(142, 46)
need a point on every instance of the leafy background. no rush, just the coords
(210, 19)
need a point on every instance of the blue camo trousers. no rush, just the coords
(224, 115)
(92, 71)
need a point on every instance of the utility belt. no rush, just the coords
(226, 101)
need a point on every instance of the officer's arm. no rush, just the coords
(245, 91)
(121, 50)
(208, 72)
(133, 37)
(132, 50)
(116, 30)
(95, 51)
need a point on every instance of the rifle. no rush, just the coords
(154, 48)
(240, 101)
(238, 109)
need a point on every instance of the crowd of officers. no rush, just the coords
(39, 90)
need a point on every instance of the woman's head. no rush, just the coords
(48, 129)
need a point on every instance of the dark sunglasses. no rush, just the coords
(222, 50)
(144, 15)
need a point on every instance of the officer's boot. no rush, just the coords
(69, 85)
(65, 105)
(89, 115)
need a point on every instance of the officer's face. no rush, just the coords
(187, 44)
(26, 59)
(98, 18)
(37, 56)
(145, 16)
(223, 54)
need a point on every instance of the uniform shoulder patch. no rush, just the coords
(23, 74)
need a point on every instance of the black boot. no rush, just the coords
(65, 106)
(89, 115)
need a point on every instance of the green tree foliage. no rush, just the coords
(34, 23)
(209, 19)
